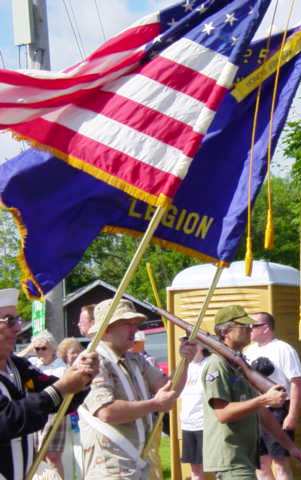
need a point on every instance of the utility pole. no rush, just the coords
(38, 51)
(31, 30)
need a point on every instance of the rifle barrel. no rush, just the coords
(256, 379)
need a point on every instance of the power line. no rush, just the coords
(2, 59)
(97, 7)
(77, 40)
(77, 28)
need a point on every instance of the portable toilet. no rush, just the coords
(271, 287)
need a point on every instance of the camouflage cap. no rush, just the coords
(232, 313)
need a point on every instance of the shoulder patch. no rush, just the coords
(210, 377)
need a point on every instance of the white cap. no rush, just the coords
(9, 297)
(139, 336)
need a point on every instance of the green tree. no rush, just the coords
(292, 150)
(10, 273)
(108, 257)
(286, 241)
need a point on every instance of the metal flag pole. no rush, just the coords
(93, 345)
(180, 368)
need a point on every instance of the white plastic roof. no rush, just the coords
(264, 273)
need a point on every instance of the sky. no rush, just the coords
(115, 15)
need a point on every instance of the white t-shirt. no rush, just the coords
(57, 367)
(284, 357)
(192, 398)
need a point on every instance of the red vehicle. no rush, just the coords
(156, 346)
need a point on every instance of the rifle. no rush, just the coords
(212, 343)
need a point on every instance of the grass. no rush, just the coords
(165, 457)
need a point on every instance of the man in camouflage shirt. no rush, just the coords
(117, 414)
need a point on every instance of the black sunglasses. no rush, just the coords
(11, 321)
(255, 325)
(37, 349)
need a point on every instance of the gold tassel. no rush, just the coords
(248, 257)
(269, 232)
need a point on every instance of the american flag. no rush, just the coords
(134, 113)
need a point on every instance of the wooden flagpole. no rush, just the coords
(180, 368)
(93, 345)
(152, 281)
(175, 464)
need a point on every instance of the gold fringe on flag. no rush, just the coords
(26, 273)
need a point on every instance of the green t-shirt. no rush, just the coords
(230, 445)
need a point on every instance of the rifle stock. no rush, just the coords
(211, 342)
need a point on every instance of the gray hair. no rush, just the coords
(45, 336)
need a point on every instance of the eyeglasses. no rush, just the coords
(11, 321)
(256, 325)
(43, 349)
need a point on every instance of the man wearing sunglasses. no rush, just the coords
(232, 408)
(27, 396)
(287, 372)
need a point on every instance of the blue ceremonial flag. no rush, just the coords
(62, 209)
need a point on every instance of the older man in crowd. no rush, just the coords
(117, 414)
(86, 319)
(27, 396)
(287, 372)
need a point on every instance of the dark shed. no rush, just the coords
(93, 293)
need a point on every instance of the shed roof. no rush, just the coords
(71, 297)
(264, 273)
(78, 297)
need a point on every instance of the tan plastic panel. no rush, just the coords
(281, 301)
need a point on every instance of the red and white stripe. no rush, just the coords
(142, 127)
(35, 90)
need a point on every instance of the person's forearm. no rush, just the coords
(295, 399)
(123, 411)
(270, 424)
(235, 411)
(27, 415)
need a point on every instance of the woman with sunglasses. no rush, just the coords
(45, 347)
